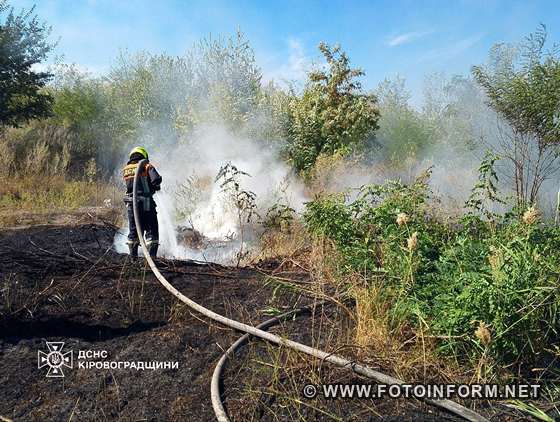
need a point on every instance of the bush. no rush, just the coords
(506, 280)
(485, 288)
(333, 114)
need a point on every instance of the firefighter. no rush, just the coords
(149, 183)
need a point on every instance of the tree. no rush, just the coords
(523, 86)
(23, 45)
(333, 115)
(228, 81)
(217, 81)
(81, 106)
(76, 97)
(402, 131)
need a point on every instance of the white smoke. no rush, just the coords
(209, 210)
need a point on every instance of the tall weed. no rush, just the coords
(486, 289)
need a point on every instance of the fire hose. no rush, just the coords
(339, 361)
(215, 391)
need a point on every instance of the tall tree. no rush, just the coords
(523, 86)
(333, 115)
(23, 45)
(403, 133)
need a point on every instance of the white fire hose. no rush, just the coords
(448, 405)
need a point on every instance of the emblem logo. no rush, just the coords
(55, 359)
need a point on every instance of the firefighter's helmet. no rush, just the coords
(140, 150)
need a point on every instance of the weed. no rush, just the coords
(244, 202)
(486, 289)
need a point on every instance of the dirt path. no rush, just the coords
(64, 283)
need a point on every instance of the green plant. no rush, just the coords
(23, 44)
(487, 291)
(278, 217)
(333, 114)
(403, 132)
(243, 201)
(485, 191)
(523, 86)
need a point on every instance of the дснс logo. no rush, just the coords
(55, 359)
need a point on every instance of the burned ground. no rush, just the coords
(65, 283)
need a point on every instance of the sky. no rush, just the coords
(385, 38)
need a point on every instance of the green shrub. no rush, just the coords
(334, 114)
(508, 281)
(484, 287)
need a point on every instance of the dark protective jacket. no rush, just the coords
(150, 179)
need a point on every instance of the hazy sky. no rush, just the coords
(385, 38)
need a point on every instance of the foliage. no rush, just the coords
(217, 81)
(485, 189)
(528, 95)
(333, 114)
(243, 201)
(23, 45)
(228, 81)
(523, 86)
(77, 99)
(83, 107)
(160, 100)
(449, 277)
(279, 217)
(146, 89)
(270, 121)
(403, 132)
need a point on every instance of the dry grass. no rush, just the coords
(45, 168)
(292, 243)
(53, 199)
(265, 381)
(54, 193)
(369, 332)
(410, 354)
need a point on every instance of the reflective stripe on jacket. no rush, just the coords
(150, 178)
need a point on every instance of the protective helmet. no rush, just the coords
(140, 150)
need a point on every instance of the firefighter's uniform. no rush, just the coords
(149, 183)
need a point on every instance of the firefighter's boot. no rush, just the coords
(153, 248)
(133, 248)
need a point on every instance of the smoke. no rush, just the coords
(210, 108)
(449, 135)
(453, 174)
(192, 203)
